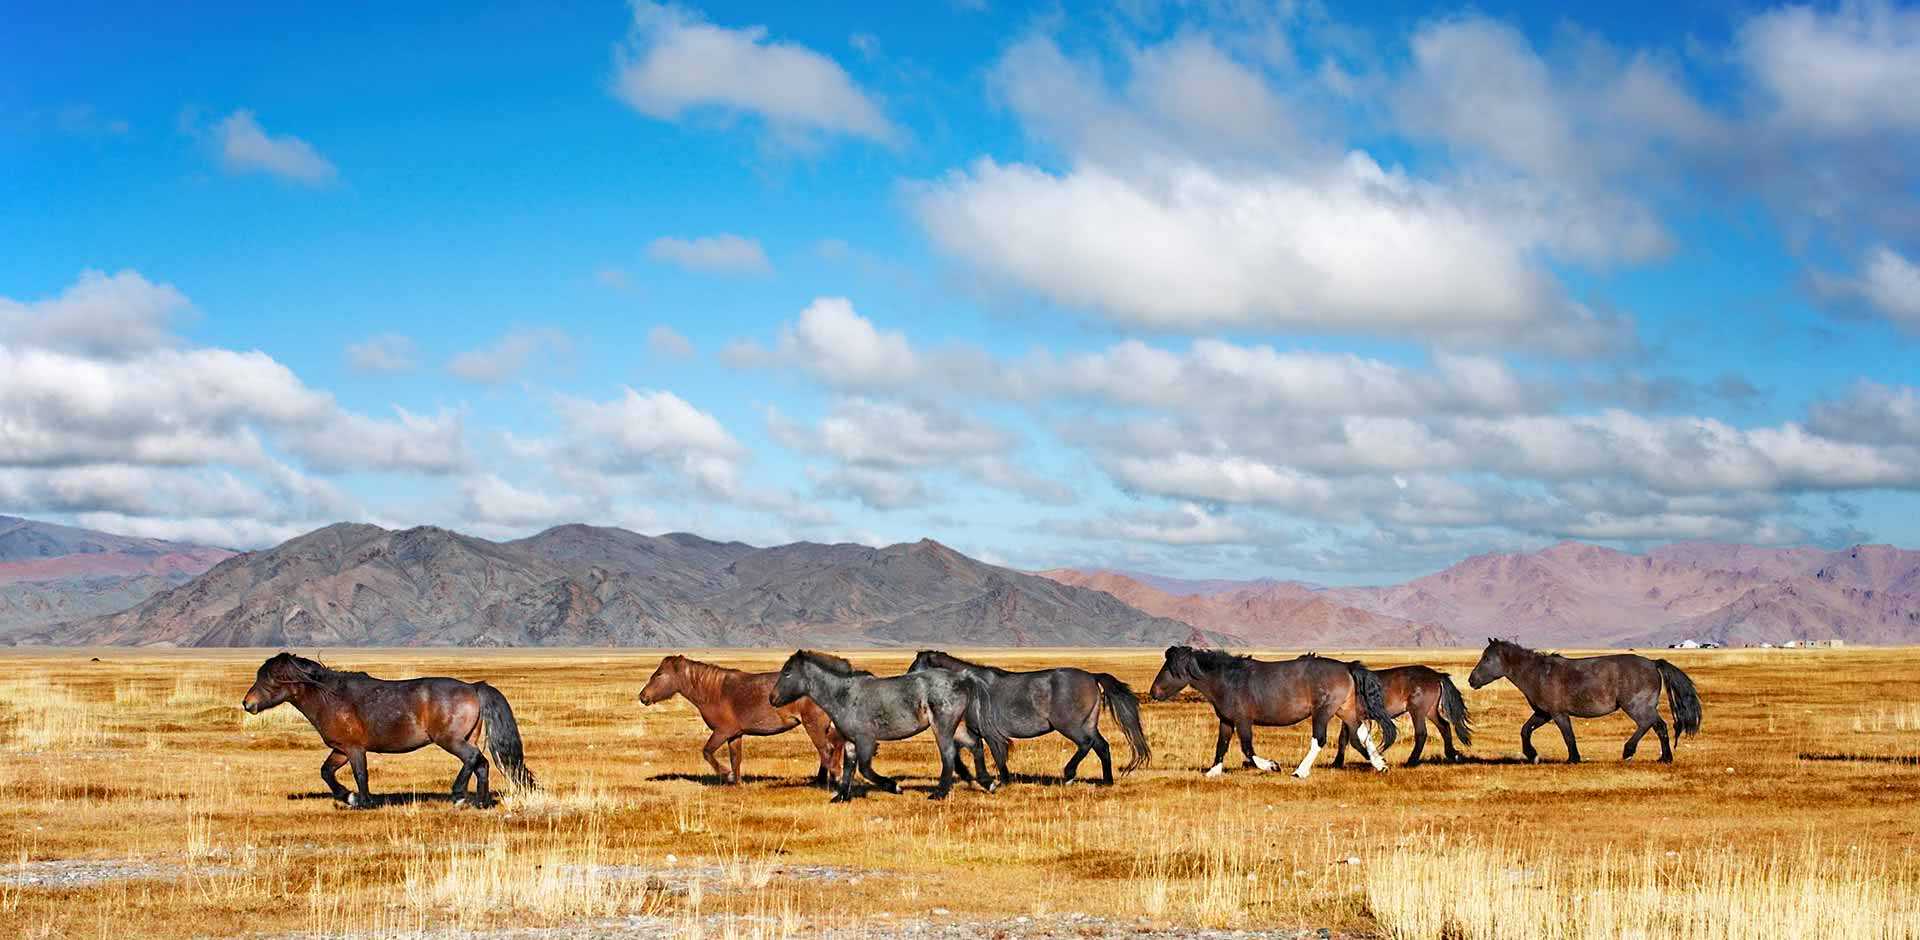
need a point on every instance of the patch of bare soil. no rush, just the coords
(63, 874)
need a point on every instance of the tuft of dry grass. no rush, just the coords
(1790, 816)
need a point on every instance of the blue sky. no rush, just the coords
(1222, 289)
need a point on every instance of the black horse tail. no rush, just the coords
(1126, 710)
(503, 735)
(1455, 709)
(980, 716)
(1681, 697)
(1373, 703)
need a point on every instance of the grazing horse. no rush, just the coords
(1428, 695)
(1245, 692)
(867, 709)
(356, 713)
(1560, 688)
(1067, 700)
(734, 703)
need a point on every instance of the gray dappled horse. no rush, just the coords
(868, 709)
(1067, 700)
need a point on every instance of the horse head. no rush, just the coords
(1175, 673)
(925, 660)
(793, 683)
(1492, 665)
(272, 684)
(664, 682)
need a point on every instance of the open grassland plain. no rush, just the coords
(138, 800)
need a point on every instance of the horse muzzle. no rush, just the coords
(250, 708)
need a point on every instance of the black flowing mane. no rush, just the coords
(830, 663)
(1219, 660)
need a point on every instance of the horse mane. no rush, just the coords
(1511, 645)
(705, 675)
(830, 663)
(320, 675)
(1220, 660)
(970, 664)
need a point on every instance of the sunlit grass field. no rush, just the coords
(1794, 814)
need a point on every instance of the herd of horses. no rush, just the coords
(981, 709)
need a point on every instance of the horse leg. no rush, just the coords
(1446, 738)
(471, 761)
(826, 741)
(1220, 750)
(863, 754)
(733, 754)
(357, 758)
(1105, 753)
(949, 756)
(328, 768)
(1246, 747)
(1566, 731)
(1666, 747)
(847, 764)
(1082, 745)
(1419, 738)
(1641, 722)
(1000, 747)
(711, 751)
(1340, 752)
(1314, 744)
(1526, 736)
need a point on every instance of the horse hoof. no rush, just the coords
(1216, 770)
(937, 795)
(895, 789)
(840, 798)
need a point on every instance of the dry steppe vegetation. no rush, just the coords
(137, 800)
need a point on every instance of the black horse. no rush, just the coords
(1245, 692)
(1560, 689)
(1067, 700)
(356, 713)
(867, 709)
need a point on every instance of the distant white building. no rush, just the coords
(1687, 644)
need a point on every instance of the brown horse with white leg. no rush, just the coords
(357, 714)
(1560, 689)
(1245, 692)
(1427, 694)
(735, 704)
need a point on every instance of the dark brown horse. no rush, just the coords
(734, 704)
(1245, 692)
(1560, 689)
(1067, 700)
(1428, 695)
(356, 713)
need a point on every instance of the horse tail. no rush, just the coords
(1373, 702)
(1681, 697)
(1126, 710)
(980, 714)
(1455, 708)
(503, 735)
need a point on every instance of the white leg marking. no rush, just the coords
(1365, 735)
(1306, 763)
(1264, 764)
(1216, 770)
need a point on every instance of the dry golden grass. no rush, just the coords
(1792, 816)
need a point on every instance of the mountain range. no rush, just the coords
(577, 585)
(355, 584)
(50, 573)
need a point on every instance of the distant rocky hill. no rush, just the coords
(1274, 614)
(1586, 595)
(50, 573)
(352, 584)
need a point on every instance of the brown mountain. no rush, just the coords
(1282, 614)
(50, 573)
(353, 584)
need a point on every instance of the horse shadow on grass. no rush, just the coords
(389, 799)
(1903, 760)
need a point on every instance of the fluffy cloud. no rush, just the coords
(411, 442)
(1185, 524)
(641, 432)
(386, 352)
(836, 344)
(491, 501)
(508, 356)
(892, 434)
(872, 487)
(719, 254)
(246, 147)
(1846, 71)
(1356, 248)
(663, 340)
(98, 315)
(673, 63)
(1872, 413)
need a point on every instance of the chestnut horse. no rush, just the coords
(1560, 688)
(734, 703)
(356, 713)
(1428, 695)
(1245, 692)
